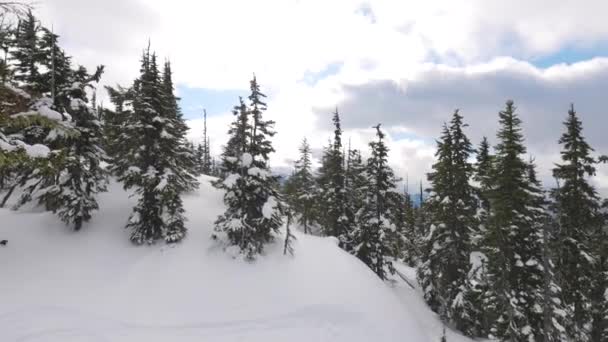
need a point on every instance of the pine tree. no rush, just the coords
(81, 176)
(27, 55)
(331, 179)
(204, 150)
(155, 159)
(511, 241)
(114, 120)
(477, 283)
(198, 156)
(55, 143)
(580, 221)
(59, 74)
(375, 223)
(254, 208)
(483, 174)
(410, 253)
(238, 140)
(356, 184)
(421, 225)
(548, 296)
(599, 331)
(305, 189)
(452, 207)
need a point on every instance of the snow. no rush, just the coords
(42, 108)
(426, 321)
(246, 159)
(36, 150)
(33, 151)
(257, 172)
(75, 104)
(230, 181)
(17, 91)
(94, 285)
(270, 207)
(162, 184)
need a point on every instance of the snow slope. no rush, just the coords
(58, 285)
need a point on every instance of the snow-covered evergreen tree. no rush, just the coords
(238, 140)
(304, 190)
(182, 167)
(580, 221)
(410, 252)
(483, 176)
(477, 284)
(58, 74)
(334, 220)
(58, 130)
(355, 185)
(114, 120)
(81, 176)
(253, 205)
(548, 296)
(452, 208)
(371, 236)
(511, 240)
(155, 160)
(205, 150)
(27, 56)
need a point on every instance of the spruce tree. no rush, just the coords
(114, 120)
(335, 220)
(452, 208)
(477, 282)
(410, 254)
(599, 296)
(305, 189)
(580, 222)
(182, 167)
(81, 176)
(421, 225)
(58, 76)
(253, 205)
(483, 174)
(511, 243)
(204, 150)
(155, 160)
(59, 133)
(375, 220)
(238, 140)
(548, 296)
(356, 184)
(26, 53)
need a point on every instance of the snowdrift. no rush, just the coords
(93, 285)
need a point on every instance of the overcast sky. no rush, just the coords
(405, 64)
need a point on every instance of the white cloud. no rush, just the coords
(409, 63)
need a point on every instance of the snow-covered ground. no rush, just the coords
(94, 286)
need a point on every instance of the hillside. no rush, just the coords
(57, 285)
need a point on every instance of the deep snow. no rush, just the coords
(93, 285)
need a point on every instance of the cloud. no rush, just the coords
(109, 32)
(421, 102)
(406, 63)
(220, 44)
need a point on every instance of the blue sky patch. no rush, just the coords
(311, 78)
(193, 100)
(571, 54)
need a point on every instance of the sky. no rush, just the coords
(405, 64)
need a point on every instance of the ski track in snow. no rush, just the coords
(94, 286)
(63, 324)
